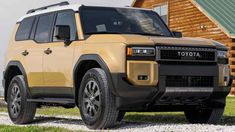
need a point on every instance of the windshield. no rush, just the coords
(102, 20)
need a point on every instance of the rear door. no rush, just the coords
(29, 52)
(58, 63)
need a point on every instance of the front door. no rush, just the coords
(58, 57)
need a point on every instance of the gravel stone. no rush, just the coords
(75, 123)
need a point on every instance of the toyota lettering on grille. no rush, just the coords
(188, 54)
(192, 54)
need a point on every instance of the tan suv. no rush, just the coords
(108, 61)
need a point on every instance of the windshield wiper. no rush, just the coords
(104, 32)
(150, 34)
(114, 32)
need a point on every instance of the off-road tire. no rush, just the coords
(27, 110)
(205, 116)
(107, 114)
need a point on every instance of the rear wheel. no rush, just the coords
(97, 103)
(19, 110)
(208, 116)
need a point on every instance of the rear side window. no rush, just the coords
(44, 28)
(24, 30)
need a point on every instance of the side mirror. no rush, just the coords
(177, 34)
(62, 32)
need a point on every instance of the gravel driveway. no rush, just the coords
(75, 123)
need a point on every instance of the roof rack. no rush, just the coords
(45, 7)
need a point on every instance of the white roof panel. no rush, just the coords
(74, 7)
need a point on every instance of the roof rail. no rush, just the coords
(45, 7)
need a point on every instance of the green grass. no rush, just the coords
(230, 107)
(5, 128)
(155, 117)
(3, 109)
(53, 111)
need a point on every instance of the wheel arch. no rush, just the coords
(13, 68)
(85, 60)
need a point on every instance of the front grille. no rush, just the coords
(167, 53)
(189, 81)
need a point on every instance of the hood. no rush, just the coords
(153, 40)
(116, 38)
(186, 41)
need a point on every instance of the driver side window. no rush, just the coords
(66, 18)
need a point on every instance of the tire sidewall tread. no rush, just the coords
(109, 114)
(28, 110)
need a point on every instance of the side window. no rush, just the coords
(162, 10)
(34, 28)
(24, 30)
(43, 31)
(66, 18)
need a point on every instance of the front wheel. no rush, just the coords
(96, 102)
(208, 116)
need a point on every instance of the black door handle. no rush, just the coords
(48, 51)
(25, 53)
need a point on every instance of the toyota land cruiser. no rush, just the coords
(108, 61)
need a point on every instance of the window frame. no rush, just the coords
(162, 4)
(34, 28)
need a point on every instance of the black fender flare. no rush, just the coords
(6, 72)
(100, 61)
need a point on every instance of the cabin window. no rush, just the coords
(44, 28)
(24, 29)
(162, 10)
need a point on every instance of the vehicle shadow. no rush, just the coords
(157, 118)
(228, 120)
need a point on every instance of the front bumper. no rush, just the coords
(140, 98)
